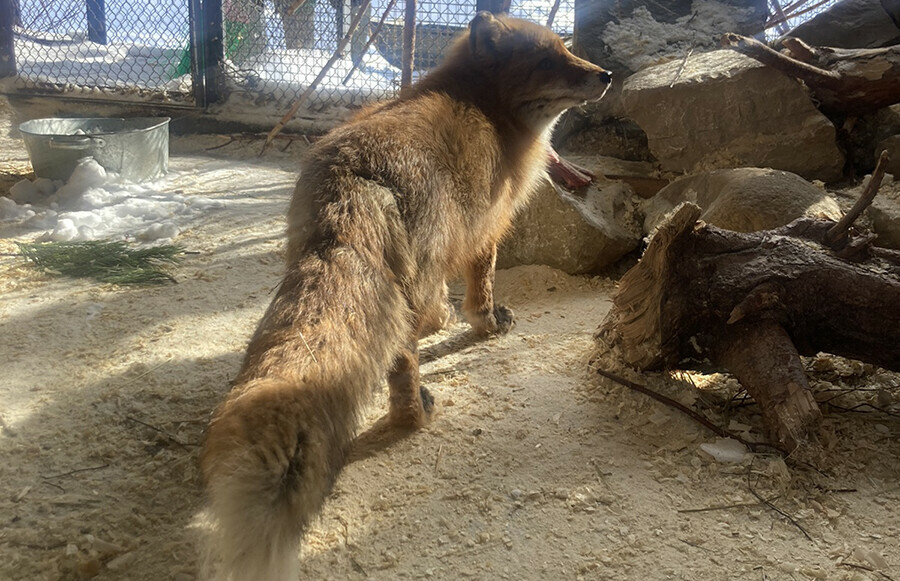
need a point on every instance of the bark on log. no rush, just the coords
(752, 303)
(843, 81)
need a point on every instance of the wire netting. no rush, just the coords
(286, 44)
(274, 49)
(116, 46)
(785, 15)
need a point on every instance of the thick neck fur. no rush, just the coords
(466, 79)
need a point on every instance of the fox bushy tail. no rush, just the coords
(279, 440)
(269, 463)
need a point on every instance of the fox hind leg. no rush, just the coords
(439, 313)
(485, 317)
(411, 406)
(410, 402)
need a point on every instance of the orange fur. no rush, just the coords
(388, 206)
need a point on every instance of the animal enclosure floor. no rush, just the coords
(532, 469)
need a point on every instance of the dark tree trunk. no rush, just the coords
(753, 303)
(843, 81)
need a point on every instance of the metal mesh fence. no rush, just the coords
(119, 47)
(274, 49)
(787, 15)
(285, 47)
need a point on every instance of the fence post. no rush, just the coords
(7, 40)
(96, 21)
(409, 44)
(213, 49)
(195, 51)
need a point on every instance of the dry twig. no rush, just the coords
(372, 37)
(683, 409)
(724, 507)
(161, 431)
(771, 506)
(839, 230)
(338, 52)
(76, 471)
(866, 568)
(681, 66)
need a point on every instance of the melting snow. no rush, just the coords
(96, 204)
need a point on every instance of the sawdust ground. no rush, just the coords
(532, 469)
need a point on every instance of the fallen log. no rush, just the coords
(752, 303)
(843, 81)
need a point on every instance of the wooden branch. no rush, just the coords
(553, 10)
(799, 49)
(839, 230)
(790, 12)
(372, 38)
(297, 5)
(781, 21)
(338, 52)
(752, 303)
(760, 52)
(843, 81)
(763, 359)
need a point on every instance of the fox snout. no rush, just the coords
(592, 72)
(586, 81)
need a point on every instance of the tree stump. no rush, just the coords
(753, 303)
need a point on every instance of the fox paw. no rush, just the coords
(505, 319)
(427, 402)
(498, 322)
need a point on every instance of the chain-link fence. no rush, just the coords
(786, 14)
(287, 43)
(117, 47)
(273, 49)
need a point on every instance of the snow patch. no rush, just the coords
(95, 204)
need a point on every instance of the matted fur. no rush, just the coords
(387, 207)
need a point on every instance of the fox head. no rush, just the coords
(536, 75)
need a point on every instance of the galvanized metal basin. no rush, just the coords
(136, 148)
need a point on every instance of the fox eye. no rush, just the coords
(546, 64)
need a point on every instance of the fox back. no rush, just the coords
(386, 208)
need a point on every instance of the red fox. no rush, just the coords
(388, 206)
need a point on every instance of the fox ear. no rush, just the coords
(484, 31)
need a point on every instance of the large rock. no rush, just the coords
(852, 24)
(727, 110)
(574, 232)
(744, 199)
(885, 215)
(627, 35)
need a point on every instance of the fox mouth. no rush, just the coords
(566, 98)
(591, 98)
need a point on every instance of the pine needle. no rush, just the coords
(105, 261)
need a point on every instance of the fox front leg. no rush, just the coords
(485, 317)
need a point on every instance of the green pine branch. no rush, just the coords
(105, 261)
